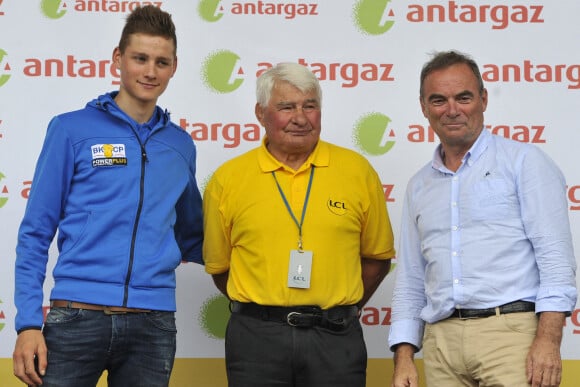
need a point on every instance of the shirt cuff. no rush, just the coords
(562, 299)
(406, 331)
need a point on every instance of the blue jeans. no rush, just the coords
(136, 349)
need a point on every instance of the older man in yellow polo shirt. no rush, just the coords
(297, 235)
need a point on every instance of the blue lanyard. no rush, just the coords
(299, 224)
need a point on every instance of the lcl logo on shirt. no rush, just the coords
(108, 155)
(337, 207)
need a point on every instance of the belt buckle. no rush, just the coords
(108, 311)
(289, 318)
(462, 317)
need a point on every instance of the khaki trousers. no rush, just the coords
(480, 352)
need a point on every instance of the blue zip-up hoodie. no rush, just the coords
(126, 206)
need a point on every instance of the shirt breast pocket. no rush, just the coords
(493, 199)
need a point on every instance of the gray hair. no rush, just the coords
(296, 74)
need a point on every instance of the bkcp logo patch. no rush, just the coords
(53, 9)
(214, 316)
(372, 135)
(221, 72)
(373, 17)
(4, 67)
(210, 10)
(3, 191)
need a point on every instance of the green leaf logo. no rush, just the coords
(214, 316)
(369, 16)
(6, 67)
(4, 193)
(2, 318)
(53, 9)
(208, 10)
(370, 133)
(221, 72)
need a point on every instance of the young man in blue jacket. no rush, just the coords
(117, 180)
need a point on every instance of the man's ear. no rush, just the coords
(174, 67)
(116, 57)
(423, 107)
(259, 113)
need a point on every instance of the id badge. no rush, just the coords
(299, 269)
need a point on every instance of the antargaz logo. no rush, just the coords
(208, 10)
(53, 9)
(214, 316)
(369, 16)
(371, 134)
(221, 72)
(3, 192)
(4, 67)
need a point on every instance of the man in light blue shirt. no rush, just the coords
(486, 267)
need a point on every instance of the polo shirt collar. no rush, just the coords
(320, 157)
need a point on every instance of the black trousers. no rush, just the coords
(274, 354)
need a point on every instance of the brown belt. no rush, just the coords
(103, 308)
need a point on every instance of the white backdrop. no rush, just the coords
(56, 55)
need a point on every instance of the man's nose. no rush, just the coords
(452, 108)
(150, 70)
(299, 115)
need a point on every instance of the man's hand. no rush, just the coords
(544, 364)
(405, 374)
(30, 350)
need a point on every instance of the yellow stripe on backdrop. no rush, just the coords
(211, 373)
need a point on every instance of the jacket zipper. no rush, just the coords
(136, 224)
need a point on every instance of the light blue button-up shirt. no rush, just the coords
(495, 231)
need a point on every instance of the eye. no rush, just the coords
(438, 101)
(465, 99)
(310, 107)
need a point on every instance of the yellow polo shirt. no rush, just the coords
(249, 231)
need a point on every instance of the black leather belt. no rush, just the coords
(512, 307)
(335, 319)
